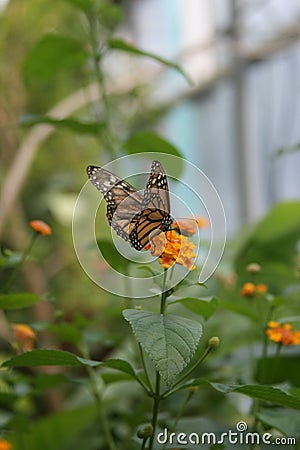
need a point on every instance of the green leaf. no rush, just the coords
(240, 308)
(119, 44)
(115, 377)
(18, 300)
(111, 255)
(147, 141)
(270, 394)
(51, 55)
(121, 365)
(272, 243)
(170, 341)
(286, 421)
(71, 124)
(48, 358)
(279, 369)
(203, 307)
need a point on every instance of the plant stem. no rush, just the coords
(191, 369)
(155, 410)
(157, 396)
(99, 403)
(17, 267)
(163, 294)
(96, 55)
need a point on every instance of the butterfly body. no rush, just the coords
(133, 216)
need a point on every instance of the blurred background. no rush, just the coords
(238, 120)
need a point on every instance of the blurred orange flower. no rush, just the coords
(261, 288)
(248, 290)
(283, 334)
(40, 227)
(5, 445)
(189, 226)
(25, 336)
(201, 222)
(172, 248)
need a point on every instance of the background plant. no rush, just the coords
(94, 339)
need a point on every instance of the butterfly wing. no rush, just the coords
(123, 201)
(155, 215)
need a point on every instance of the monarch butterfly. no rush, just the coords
(133, 216)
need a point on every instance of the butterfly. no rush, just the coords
(135, 217)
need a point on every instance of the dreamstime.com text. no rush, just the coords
(240, 436)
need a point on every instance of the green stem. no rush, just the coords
(18, 266)
(157, 396)
(96, 55)
(144, 443)
(183, 406)
(186, 374)
(99, 403)
(164, 293)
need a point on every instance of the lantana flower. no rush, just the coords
(172, 248)
(250, 289)
(282, 334)
(188, 227)
(40, 227)
(5, 445)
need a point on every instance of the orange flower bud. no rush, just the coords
(248, 290)
(5, 445)
(261, 288)
(40, 227)
(25, 336)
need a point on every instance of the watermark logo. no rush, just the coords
(191, 194)
(235, 437)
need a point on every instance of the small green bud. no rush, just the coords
(214, 342)
(138, 308)
(145, 431)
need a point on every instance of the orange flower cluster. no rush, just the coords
(25, 337)
(282, 334)
(250, 289)
(172, 248)
(188, 227)
(5, 445)
(40, 227)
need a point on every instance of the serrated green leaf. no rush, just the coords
(52, 55)
(48, 358)
(71, 124)
(120, 44)
(18, 300)
(203, 307)
(170, 341)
